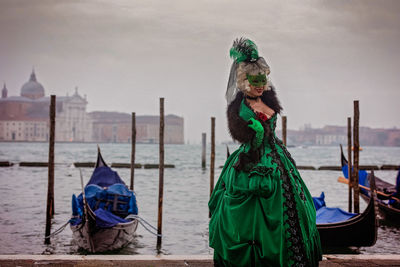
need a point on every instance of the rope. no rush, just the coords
(59, 230)
(143, 222)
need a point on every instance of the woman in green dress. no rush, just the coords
(262, 213)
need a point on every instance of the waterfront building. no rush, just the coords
(330, 139)
(116, 127)
(26, 117)
(335, 135)
(72, 121)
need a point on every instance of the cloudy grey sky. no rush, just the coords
(125, 54)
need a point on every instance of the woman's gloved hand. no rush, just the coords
(259, 129)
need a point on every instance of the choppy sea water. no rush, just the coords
(23, 194)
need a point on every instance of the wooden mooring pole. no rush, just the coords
(203, 150)
(133, 150)
(356, 154)
(284, 123)
(50, 187)
(212, 157)
(161, 174)
(349, 165)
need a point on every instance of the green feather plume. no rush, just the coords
(243, 50)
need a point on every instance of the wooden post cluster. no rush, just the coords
(212, 158)
(203, 150)
(133, 150)
(356, 156)
(50, 187)
(349, 164)
(284, 122)
(161, 174)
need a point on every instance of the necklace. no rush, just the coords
(252, 97)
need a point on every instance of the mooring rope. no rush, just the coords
(143, 222)
(59, 230)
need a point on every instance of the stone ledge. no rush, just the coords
(174, 260)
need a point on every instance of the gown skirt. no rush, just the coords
(263, 216)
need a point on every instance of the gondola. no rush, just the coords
(388, 197)
(347, 230)
(104, 214)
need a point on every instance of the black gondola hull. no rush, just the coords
(359, 231)
(387, 212)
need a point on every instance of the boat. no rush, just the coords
(388, 195)
(104, 215)
(338, 228)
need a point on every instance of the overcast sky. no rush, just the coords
(125, 55)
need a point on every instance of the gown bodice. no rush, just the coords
(246, 112)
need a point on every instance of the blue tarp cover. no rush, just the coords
(105, 219)
(95, 193)
(333, 215)
(319, 202)
(329, 215)
(76, 209)
(104, 177)
(362, 178)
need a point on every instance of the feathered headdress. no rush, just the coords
(245, 61)
(244, 50)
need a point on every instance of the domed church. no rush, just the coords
(32, 89)
(26, 117)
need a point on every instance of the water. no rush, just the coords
(186, 191)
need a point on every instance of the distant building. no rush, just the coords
(72, 121)
(330, 139)
(116, 127)
(26, 117)
(335, 135)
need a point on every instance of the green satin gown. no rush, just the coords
(264, 216)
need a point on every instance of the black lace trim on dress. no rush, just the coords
(287, 154)
(262, 170)
(302, 196)
(298, 254)
(285, 151)
(274, 125)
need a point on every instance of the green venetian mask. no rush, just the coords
(257, 80)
